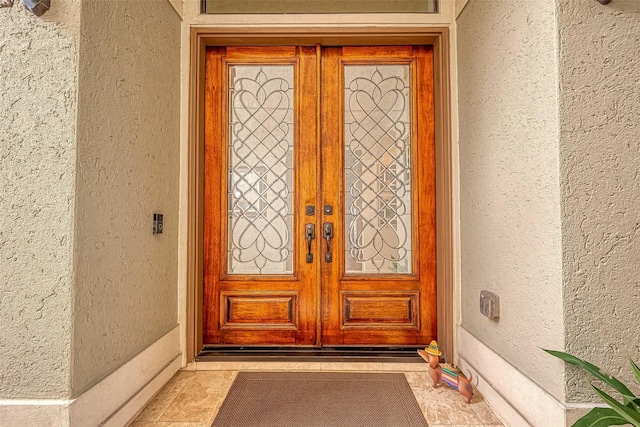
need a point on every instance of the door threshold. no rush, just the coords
(327, 354)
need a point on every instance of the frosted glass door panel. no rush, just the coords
(377, 171)
(261, 176)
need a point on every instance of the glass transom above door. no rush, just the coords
(320, 6)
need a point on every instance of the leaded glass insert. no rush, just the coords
(377, 148)
(261, 175)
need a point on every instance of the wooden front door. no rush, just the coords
(319, 197)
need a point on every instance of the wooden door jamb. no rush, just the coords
(201, 38)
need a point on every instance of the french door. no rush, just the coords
(319, 197)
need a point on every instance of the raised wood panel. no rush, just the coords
(250, 311)
(380, 309)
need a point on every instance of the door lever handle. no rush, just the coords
(327, 232)
(310, 234)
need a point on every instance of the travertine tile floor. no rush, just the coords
(193, 396)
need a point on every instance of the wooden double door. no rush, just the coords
(319, 197)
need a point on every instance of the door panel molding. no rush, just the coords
(201, 38)
(251, 309)
(385, 309)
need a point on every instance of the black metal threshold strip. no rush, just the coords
(301, 354)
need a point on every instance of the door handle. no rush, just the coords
(310, 234)
(327, 232)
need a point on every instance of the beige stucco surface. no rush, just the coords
(509, 182)
(600, 173)
(38, 78)
(128, 139)
(88, 152)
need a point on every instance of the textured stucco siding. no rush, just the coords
(38, 78)
(600, 171)
(509, 182)
(128, 139)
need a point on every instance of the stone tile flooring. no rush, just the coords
(193, 396)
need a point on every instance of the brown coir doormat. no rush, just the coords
(319, 399)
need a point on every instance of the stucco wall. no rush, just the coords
(38, 77)
(128, 136)
(600, 172)
(509, 182)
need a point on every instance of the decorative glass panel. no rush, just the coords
(261, 169)
(320, 6)
(377, 169)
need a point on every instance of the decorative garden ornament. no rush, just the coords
(450, 377)
(465, 387)
(432, 355)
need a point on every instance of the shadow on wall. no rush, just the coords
(37, 7)
(626, 6)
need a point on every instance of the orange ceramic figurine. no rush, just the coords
(465, 387)
(432, 355)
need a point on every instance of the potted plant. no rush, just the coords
(627, 412)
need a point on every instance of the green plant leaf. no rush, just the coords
(635, 369)
(600, 417)
(625, 412)
(627, 396)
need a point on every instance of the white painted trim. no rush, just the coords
(514, 397)
(114, 401)
(455, 188)
(192, 16)
(113, 397)
(127, 412)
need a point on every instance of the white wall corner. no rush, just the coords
(460, 5)
(514, 397)
(178, 6)
(113, 402)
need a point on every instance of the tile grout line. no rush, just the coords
(216, 408)
(192, 377)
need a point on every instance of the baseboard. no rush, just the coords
(121, 395)
(515, 398)
(127, 412)
(114, 401)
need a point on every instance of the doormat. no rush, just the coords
(319, 399)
